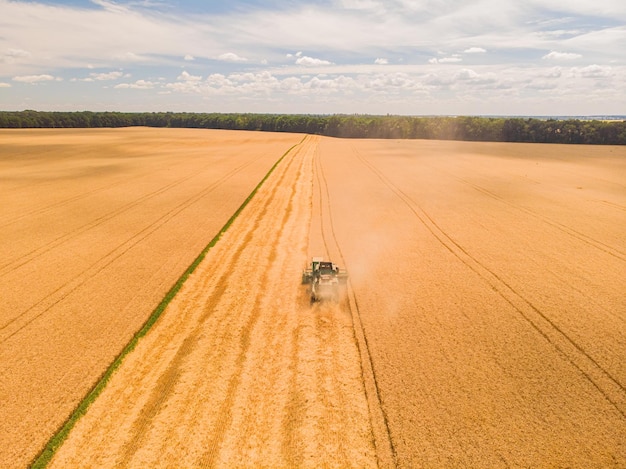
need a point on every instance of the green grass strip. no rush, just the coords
(44, 457)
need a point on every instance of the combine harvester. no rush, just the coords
(324, 280)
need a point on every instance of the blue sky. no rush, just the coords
(417, 57)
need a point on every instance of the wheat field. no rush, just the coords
(483, 324)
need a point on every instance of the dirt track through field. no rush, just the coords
(241, 370)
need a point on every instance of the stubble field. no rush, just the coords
(484, 323)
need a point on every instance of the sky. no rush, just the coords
(409, 57)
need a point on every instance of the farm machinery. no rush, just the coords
(324, 280)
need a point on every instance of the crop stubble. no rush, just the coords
(96, 225)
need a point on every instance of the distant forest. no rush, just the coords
(492, 129)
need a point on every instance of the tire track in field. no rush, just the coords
(7, 221)
(322, 213)
(597, 178)
(586, 175)
(323, 392)
(561, 227)
(612, 205)
(10, 266)
(609, 387)
(572, 232)
(11, 328)
(69, 200)
(383, 441)
(608, 249)
(590, 299)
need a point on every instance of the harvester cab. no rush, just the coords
(324, 280)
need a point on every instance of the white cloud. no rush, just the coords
(595, 71)
(554, 72)
(106, 76)
(16, 53)
(557, 34)
(381, 61)
(189, 57)
(12, 56)
(389, 83)
(291, 85)
(185, 76)
(138, 85)
(231, 57)
(5, 85)
(324, 86)
(101, 77)
(602, 41)
(554, 55)
(217, 79)
(466, 74)
(111, 6)
(130, 57)
(475, 50)
(542, 86)
(310, 61)
(445, 60)
(182, 87)
(33, 78)
(606, 8)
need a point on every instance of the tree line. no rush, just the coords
(493, 129)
